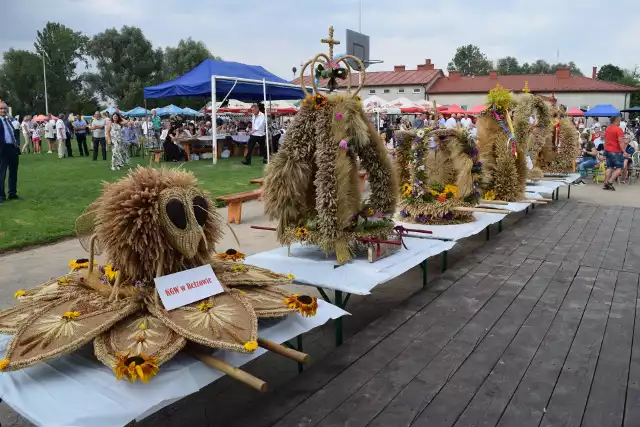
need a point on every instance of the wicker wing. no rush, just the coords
(64, 326)
(233, 274)
(85, 229)
(138, 334)
(267, 301)
(224, 321)
(13, 318)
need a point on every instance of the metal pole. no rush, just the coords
(266, 120)
(214, 125)
(46, 98)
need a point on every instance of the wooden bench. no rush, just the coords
(260, 182)
(157, 155)
(363, 179)
(234, 203)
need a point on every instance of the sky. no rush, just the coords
(281, 34)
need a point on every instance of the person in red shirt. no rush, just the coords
(614, 145)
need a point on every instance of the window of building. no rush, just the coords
(386, 91)
(372, 91)
(416, 90)
(400, 90)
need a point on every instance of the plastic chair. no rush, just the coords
(634, 169)
(599, 176)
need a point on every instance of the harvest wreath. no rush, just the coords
(444, 177)
(312, 186)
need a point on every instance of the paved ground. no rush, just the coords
(25, 269)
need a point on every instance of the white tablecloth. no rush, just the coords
(512, 206)
(545, 187)
(77, 390)
(569, 179)
(458, 231)
(311, 266)
(241, 138)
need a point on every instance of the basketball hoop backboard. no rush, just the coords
(357, 45)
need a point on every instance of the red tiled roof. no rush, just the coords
(537, 83)
(386, 78)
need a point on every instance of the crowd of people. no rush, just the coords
(612, 146)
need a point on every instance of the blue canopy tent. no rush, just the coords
(137, 112)
(602, 110)
(191, 112)
(109, 110)
(221, 78)
(169, 110)
(635, 109)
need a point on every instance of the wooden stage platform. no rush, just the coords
(535, 328)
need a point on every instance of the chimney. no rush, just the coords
(493, 74)
(429, 66)
(563, 72)
(454, 76)
(594, 73)
(422, 67)
(398, 68)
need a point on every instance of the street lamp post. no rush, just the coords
(46, 98)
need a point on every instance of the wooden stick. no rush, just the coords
(232, 371)
(493, 202)
(466, 209)
(92, 250)
(289, 353)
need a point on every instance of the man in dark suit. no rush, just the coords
(9, 152)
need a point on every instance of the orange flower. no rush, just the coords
(442, 197)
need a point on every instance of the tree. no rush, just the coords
(539, 67)
(184, 57)
(508, 65)
(63, 50)
(610, 73)
(126, 62)
(469, 61)
(21, 81)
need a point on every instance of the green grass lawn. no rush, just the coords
(56, 191)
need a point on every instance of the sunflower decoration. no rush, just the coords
(231, 255)
(489, 195)
(406, 189)
(153, 222)
(319, 101)
(132, 368)
(77, 264)
(305, 304)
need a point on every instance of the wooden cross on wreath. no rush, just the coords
(331, 42)
(325, 67)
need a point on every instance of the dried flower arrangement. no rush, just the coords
(150, 223)
(445, 174)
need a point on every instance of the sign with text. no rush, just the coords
(179, 289)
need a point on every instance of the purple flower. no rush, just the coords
(403, 213)
(448, 216)
(417, 139)
(344, 144)
(423, 218)
(473, 152)
(339, 116)
(477, 164)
